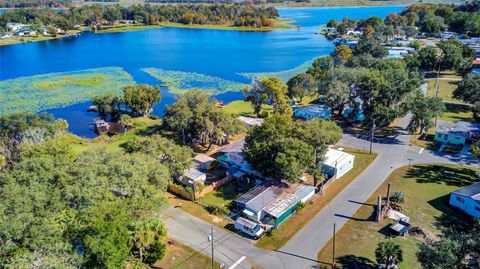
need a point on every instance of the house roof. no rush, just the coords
(472, 191)
(459, 128)
(259, 197)
(336, 157)
(201, 159)
(234, 147)
(281, 204)
(313, 111)
(193, 174)
(304, 190)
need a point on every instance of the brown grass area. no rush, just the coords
(183, 257)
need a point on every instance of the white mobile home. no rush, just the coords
(467, 199)
(337, 163)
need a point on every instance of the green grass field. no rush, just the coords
(243, 108)
(445, 89)
(426, 189)
(277, 24)
(118, 28)
(40, 92)
(457, 112)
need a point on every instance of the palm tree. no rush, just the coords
(388, 253)
(145, 235)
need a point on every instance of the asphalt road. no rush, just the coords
(301, 251)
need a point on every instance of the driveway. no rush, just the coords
(301, 251)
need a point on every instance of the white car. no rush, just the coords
(249, 228)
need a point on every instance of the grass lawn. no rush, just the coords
(445, 89)
(142, 126)
(183, 257)
(293, 224)
(243, 108)
(426, 189)
(457, 112)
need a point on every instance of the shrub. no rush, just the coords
(216, 210)
(398, 197)
(156, 252)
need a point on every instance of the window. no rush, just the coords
(477, 208)
(460, 199)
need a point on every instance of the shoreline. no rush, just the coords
(278, 24)
(28, 39)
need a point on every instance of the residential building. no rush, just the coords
(456, 133)
(467, 199)
(337, 163)
(15, 26)
(203, 162)
(233, 158)
(313, 112)
(191, 176)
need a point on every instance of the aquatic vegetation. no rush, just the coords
(284, 75)
(179, 81)
(40, 92)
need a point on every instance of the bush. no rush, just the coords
(398, 197)
(216, 210)
(156, 252)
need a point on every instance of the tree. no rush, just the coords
(197, 120)
(337, 94)
(370, 46)
(276, 91)
(106, 103)
(332, 24)
(451, 54)
(107, 235)
(427, 57)
(52, 30)
(301, 85)
(148, 239)
(388, 253)
(341, 54)
(176, 158)
(468, 90)
(475, 149)
(141, 98)
(431, 24)
(256, 96)
(321, 68)
(423, 110)
(319, 134)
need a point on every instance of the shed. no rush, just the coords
(313, 112)
(305, 193)
(467, 199)
(194, 175)
(203, 162)
(337, 163)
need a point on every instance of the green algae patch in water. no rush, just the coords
(284, 75)
(54, 90)
(179, 82)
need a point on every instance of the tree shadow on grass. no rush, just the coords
(452, 176)
(356, 262)
(450, 216)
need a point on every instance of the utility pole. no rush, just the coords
(210, 238)
(371, 135)
(334, 263)
(409, 162)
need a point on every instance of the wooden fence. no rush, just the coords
(180, 190)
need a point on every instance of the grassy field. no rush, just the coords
(243, 108)
(426, 189)
(25, 39)
(445, 89)
(457, 112)
(183, 257)
(293, 224)
(40, 92)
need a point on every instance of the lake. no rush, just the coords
(216, 53)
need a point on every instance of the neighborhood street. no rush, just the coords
(301, 251)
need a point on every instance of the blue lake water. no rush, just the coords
(212, 52)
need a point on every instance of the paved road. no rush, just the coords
(301, 251)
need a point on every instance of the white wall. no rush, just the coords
(345, 167)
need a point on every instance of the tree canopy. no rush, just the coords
(141, 98)
(195, 119)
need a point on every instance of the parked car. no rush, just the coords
(249, 228)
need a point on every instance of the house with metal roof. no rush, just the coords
(313, 112)
(337, 163)
(191, 176)
(233, 158)
(273, 205)
(467, 199)
(456, 133)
